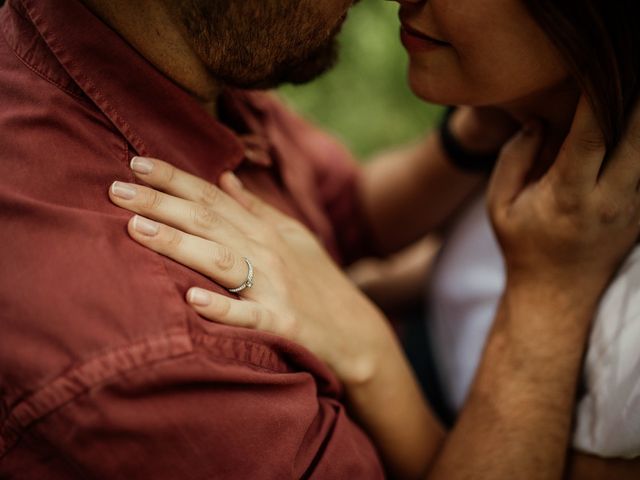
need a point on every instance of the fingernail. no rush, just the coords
(123, 190)
(145, 226)
(235, 180)
(199, 297)
(142, 165)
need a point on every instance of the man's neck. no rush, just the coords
(154, 31)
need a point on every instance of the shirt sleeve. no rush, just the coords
(196, 416)
(608, 415)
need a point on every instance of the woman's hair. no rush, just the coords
(600, 42)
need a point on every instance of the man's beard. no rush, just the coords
(254, 44)
(298, 71)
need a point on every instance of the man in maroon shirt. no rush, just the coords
(105, 372)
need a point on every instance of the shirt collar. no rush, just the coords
(156, 116)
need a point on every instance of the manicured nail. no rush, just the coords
(145, 226)
(123, 190)
(199, 297)
(142, 165)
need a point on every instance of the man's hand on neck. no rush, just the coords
(153, 30)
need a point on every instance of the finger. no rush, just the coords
(237, 313)
(185, 215)
(580, 159)
(218, 262)
(232, 185)
(516, 161)
(167, 178)
(621, 174)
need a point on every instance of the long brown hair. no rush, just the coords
(600, 42)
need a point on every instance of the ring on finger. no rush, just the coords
(248, 283)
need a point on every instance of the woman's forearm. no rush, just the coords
(390, 406)
(410, 192)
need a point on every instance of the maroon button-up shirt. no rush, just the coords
(105, 372)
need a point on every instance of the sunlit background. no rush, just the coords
(365, 100)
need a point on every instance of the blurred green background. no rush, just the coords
(365, 100)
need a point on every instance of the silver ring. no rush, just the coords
(248, 283)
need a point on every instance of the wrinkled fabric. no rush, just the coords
(464, 292)
(105, 372)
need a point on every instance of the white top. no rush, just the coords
(463, 295)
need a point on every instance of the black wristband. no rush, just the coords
(458, 155)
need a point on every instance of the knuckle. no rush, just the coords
(209, 194)
(569, 203)
(610, 213)
(173, 239)
(258, 317)
(223, 259)
(272, 260)
(265, 235)
(203, 217)
(289, 226)
(566, 176)
(169, 174)
(152, 199)
(221, 307)
(591, 142)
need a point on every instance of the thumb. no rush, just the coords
(514, 164)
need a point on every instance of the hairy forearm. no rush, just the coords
(587, 467)
(517, 420)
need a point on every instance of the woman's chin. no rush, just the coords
(430, 92)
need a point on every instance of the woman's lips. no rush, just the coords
(415, 41)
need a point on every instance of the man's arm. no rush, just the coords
(216, 412)
(587, 467)
(517, 419)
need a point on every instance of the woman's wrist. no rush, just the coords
(390, 405)
(371, 359)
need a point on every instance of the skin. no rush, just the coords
(531, 362)
(193, 43)
(495, 54)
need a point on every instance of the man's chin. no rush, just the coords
(296, 72)
(311, 68)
